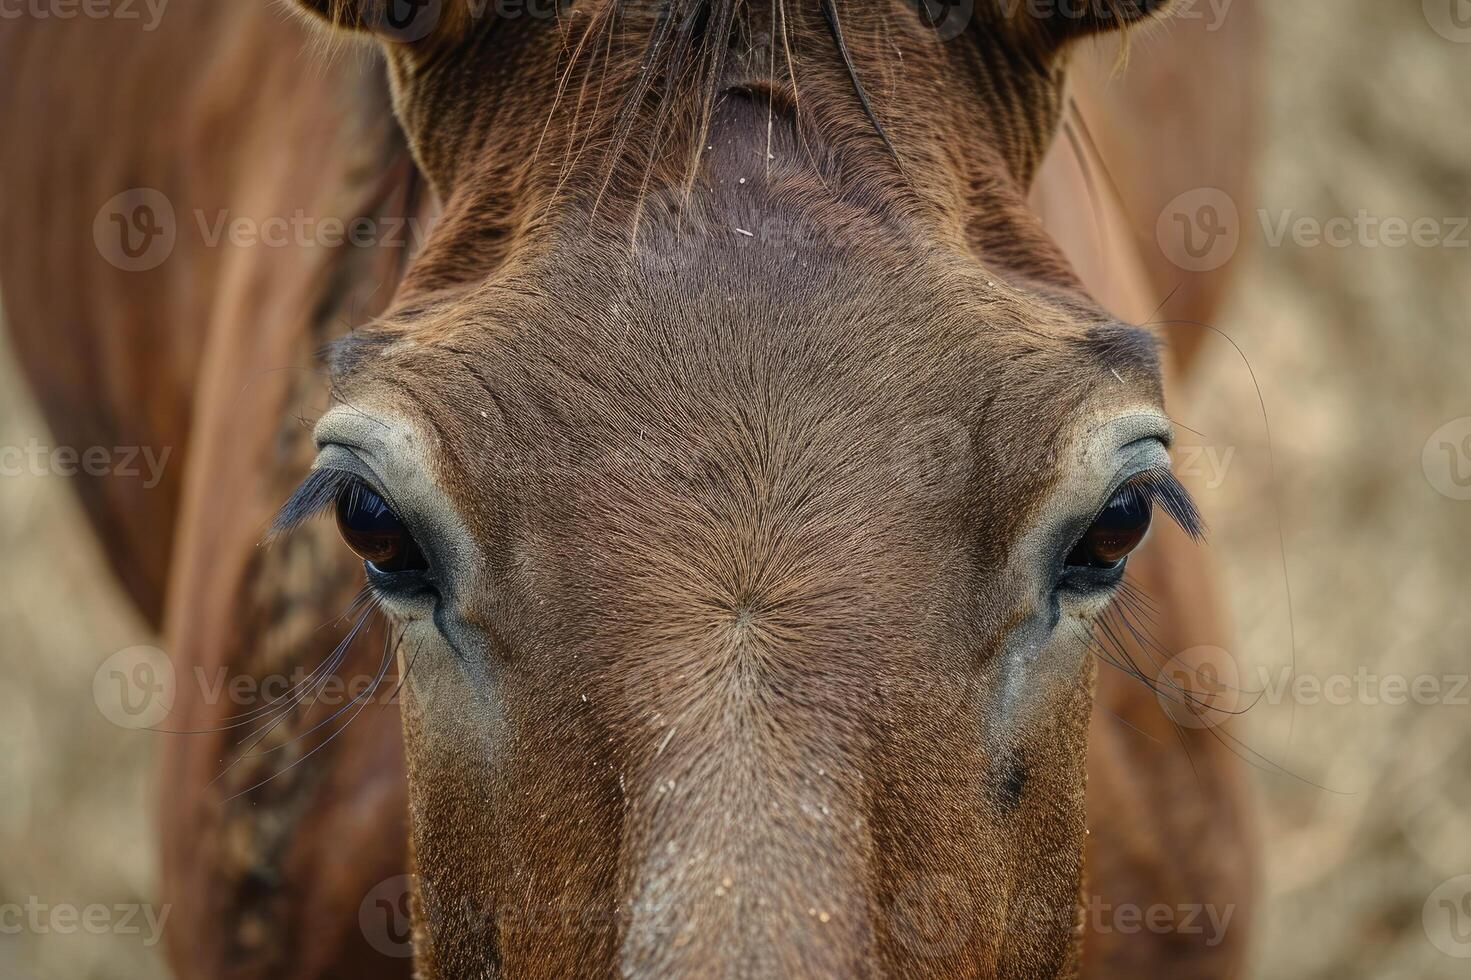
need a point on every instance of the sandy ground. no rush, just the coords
(1362, 355)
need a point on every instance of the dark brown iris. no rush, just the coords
(1115, 533)
(374, 532)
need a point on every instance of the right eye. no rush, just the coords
(374, 532)
(1115, 533)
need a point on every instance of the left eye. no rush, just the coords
(374, 532)
(1115, 533)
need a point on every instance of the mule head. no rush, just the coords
(744, 471)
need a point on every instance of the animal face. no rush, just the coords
(743, 581)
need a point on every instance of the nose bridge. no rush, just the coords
(751, 616)
(747, 845)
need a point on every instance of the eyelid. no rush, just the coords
(1159, 485)
(333, 472)
(312, 497)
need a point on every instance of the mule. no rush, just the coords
(741, 466)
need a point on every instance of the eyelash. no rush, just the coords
(317, 494)
(1160, 486)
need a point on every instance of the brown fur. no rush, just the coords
(737, 631)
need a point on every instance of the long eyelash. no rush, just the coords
(1160, 486)
(316, 493)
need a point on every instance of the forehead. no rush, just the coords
(697, 349)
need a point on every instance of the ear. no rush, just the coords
(416, 23)
(1052, 23)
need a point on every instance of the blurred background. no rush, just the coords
(1345, 549)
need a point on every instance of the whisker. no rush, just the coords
(244, 718)
(388, 641)
(255, 738)
(1106, 641)
(325, 742)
